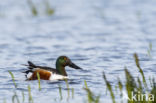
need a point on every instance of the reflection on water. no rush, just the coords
(98, 35)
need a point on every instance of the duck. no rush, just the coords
(48, 73)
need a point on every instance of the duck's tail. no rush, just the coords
(30, 66)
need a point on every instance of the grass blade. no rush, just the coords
(15, 97)
(91, 97)
(140, 70)
(72, 93)
(109, 88)
(60, 92)
(13, 78)
(33, 8)
(23, 97)
(49, 10)
(30, 96)
(39, 82)
(68, 90)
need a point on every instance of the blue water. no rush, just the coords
(97, 35)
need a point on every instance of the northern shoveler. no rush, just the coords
(48, 73)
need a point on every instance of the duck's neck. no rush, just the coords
(61, 69)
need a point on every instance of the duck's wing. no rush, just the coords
(33, 68)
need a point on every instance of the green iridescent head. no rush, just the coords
(63, 61)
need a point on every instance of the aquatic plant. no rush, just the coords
(13, 78)
(15, 97)
(140, 70)
(48, 10)
(35, 12)
(68, 90)
(60, 92)
(149, 50)
(72, 93)
(39, 83)
(33, 8)
(92, 98)
(136, 89)
(30, 96)
(109, 88)
(23, 96)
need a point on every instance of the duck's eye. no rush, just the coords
(65, 58)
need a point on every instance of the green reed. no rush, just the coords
(140, 70)
(33, 8)
(120, 86)
(29, 94)
(35, 11)
(153, 91)
(68, 89)
(39, 82)
(72, 93)
(23, 97)
(13, 78)
(134, 85)
(15, 97)
(92, 98)
(49, 10)
(149, 50)
(109, 88)
(60, 92)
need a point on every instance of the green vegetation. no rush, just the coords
(15, 97)
(39, 83)
(30, 96)
(149, 50)
(33, 8)
(68, 89)
(13, 78)
(23, 97)
(109, 88)
(35, 11)
(49, 10)
(90, 95)
(135, 89)
(72, 92)
(60, 92)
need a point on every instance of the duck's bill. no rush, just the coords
(72, 65)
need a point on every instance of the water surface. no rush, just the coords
(98, 35)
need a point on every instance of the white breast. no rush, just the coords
(57, 77)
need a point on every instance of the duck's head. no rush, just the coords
(63, 61)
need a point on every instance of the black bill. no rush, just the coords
(72, 65)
